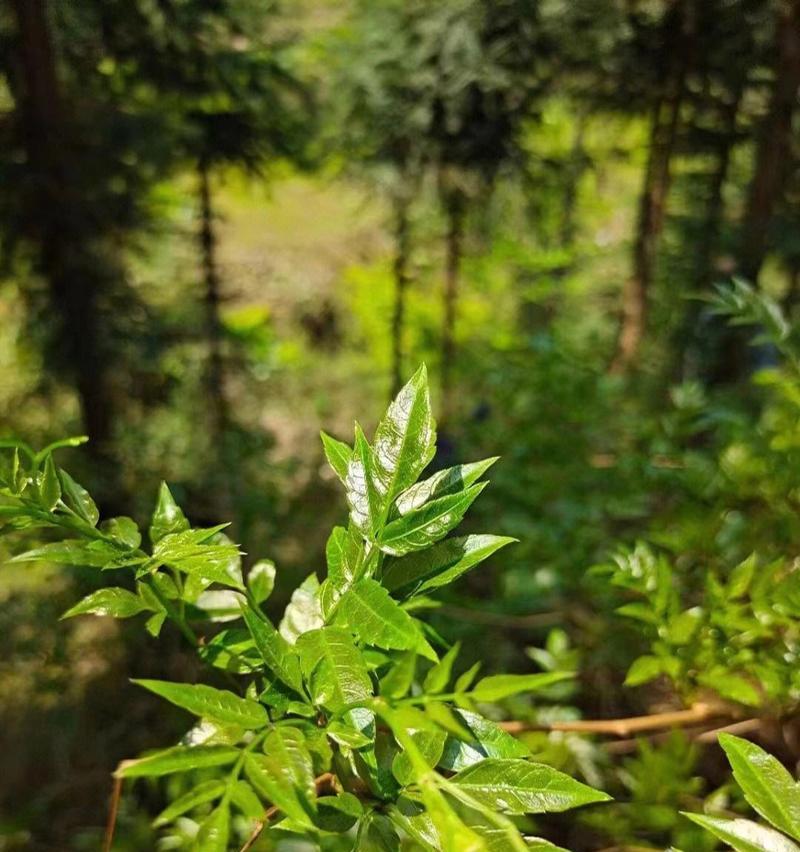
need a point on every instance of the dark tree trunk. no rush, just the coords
(215, 367)
(653, 198)
(401, 281)
(59, 224)
(454, 208)
(774, 143)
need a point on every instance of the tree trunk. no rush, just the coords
(653, 198)
(774, 144)
(453, 250)
(60, 225)
(401, 282)
(215, 368)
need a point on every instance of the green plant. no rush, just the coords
(770, 790)
(342, 721)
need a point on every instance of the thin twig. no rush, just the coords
(320, 783)
(622, 727)
(113, 809)
(499, 619)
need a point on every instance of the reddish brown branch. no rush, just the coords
(623, 727)
(113, 809)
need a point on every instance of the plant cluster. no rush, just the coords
(345, 721)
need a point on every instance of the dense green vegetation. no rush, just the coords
(228, 224)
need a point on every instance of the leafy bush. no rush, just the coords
(344, 721)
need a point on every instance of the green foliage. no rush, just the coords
(334, 692)
(770, 790)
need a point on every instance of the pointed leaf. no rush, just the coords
(118, 603)
(368, 610)
(497, 687)
(261, 580)
(519, 787)
(77, 498)
(220, 705)
(168, 517)
(766, 784)
(49, 485)
(744, 835)
(487, 740)
(177, 759)
(441, 564)
(363, 498)
(439, 676)
(422, 527)
(214, 830)
(198, 795)
(452, 480)
(333, 667)
(276, 652)
(338, 455)
(304, 611)
(405, 439)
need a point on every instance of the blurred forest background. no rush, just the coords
(225, 224)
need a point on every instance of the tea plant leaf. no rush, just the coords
(744, 835)
(198, 795)
(96, 554)
(118, 603)
(441, 564)
(438, 677)
(368, 610)
(124, 530)
(363, 498)
(214, 830)
(285, 774)
(261, 580)
(276, 652)
(405, 439)
(49, 485)
(177, 759)
(766, 784)
(304, 611)
(220, 705)
(451, 480)
(77, 498)
(333, 667)
(497, 687)
(487, 740)
(422, 527)
(338, 455)
(189, 552)
(168, 518)
(517, 787)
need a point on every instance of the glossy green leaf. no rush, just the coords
(232, 650)
(246, 800)
(413, 819)
(441, 564)
(168, 517)
(304, 611)
(214, 830)
(124, 530)
(338, 813)
(376, 834)
(765, 782)
(190, 552)
(438, 677)
(365, 501)
(49, 485)
(200, 794)
(516, 786)
(276, 652)
(744, 835)
(261, 580)
(343, 553)
(338, 455)
(177, 759)
(486, 740)
(95, 553)
(497, 687)
(333, 667)
(284, 774)
(452, 480)
(118, 603)
(405, 439)
(643, 670)
(397, 681)
(368, 610)
(77, 498)
(423, 527)
(219, 705)
(430, 743)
